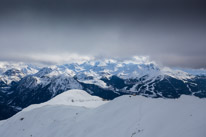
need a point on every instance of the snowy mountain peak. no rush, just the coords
(179, 74)
(72, 97)
(23, 67)
(13, 72)
(43, 71)
(76, 97)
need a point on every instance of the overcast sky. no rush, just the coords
(170, 32)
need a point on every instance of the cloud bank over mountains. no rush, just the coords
(169, 32)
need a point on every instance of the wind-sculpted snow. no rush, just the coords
(125, 116)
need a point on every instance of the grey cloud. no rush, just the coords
(42, 32)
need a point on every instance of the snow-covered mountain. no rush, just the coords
(23, 67)
(22, 84)
(127, 116)
(74, 97)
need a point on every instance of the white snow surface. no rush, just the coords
(125, 116)
(74, 97)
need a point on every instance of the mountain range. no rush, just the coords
(24, 84)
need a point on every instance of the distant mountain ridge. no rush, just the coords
(22, 84)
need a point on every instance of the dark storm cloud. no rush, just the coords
(50, 31)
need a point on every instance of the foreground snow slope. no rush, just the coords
(126, 116)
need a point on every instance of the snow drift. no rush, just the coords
(125, 116)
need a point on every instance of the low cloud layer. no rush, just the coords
(50, 35)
